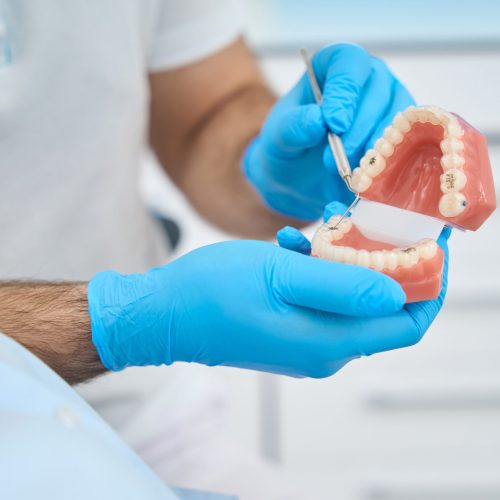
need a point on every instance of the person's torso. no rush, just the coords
(73, 116)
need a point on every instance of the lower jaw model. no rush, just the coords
(428, 161)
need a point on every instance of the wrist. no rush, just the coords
(128, 329)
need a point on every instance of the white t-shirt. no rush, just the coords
(73, 118)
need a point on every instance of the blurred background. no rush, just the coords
(418, 424)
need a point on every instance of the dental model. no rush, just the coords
(428, 161)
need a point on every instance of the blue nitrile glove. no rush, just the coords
(248, 304)
(286, 162)
(421, 313)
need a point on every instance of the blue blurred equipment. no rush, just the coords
(248, 304)
(286, 162)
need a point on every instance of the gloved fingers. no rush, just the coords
(332, 287)
(401, 99)
(300, 128)
(382, 334)
(348, 68)
(383, 96)
(292, 239)
(334, 208)
(423, 313)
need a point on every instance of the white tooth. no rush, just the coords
(452, 161)
(349, 255)
(407, 257)
(363, 258)
(422, 115)
(455, 130)
(401, 123)
(393, 135)
(336, 234)
(384, 147)
(427, 249)
(452, 204)
(373, 163)
(410, 114)
(391, 260)
(377, 260)
(360, 180)
(346, 225)
(453, 181)
(451, 145)
(338, 253)
(327, 251)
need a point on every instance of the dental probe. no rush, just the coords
(334, 140)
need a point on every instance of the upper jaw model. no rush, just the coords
(428, 161)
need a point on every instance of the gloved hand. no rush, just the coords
(286, 162)
(422, 314)
(248, 304)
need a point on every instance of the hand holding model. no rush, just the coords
(286, 162)
(253, 305)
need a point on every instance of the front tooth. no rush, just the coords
(361, 181)
(401, 123)
(422, 115)
(393, 135)
(377, 260)
(452, 161)
(384, 147)
(451, 145)
(410, 114)
(452, 204)
(427, 249)
(391, 260)
(349, 255)
(363, 258)
(453, 181)
(373, 163)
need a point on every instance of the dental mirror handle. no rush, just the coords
(334, 140)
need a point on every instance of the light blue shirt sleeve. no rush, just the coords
(53, 445)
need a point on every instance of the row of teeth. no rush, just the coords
(452, 181)
(378, 259)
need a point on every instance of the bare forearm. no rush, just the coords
(52, 321)
(212, 176)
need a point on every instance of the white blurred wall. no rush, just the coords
(420, 424)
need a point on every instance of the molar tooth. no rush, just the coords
(393, 135)
(384, 147)
(452, 204)
(391, 260)
(373, 163)
(455, 130)
(451, 145)
(363, 258)
(427, 249)
(407, 257)
(377, 260)
(361, 181)
(452, 161)
(401, 122)
(338, 253)
(346, 225)
(452, 181)
(349, 255)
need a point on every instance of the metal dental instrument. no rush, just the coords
(334, 140)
